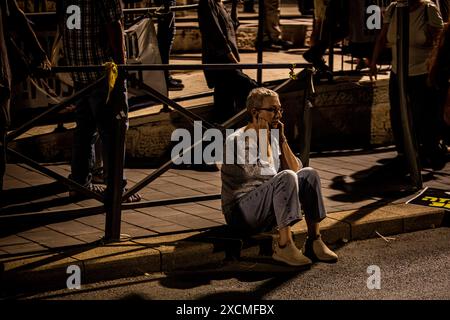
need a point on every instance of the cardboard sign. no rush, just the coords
(432, 197)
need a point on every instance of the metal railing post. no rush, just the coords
(409, 139)
(114, 190)
(306, 119)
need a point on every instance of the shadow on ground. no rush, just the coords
(27, 194)
(387, 180)
(386, 183)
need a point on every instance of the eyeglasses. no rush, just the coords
(273, 110)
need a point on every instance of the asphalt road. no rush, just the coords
(413, 266)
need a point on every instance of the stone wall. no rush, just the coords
(346, 114)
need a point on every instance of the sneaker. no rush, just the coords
(317, 250)
(290, 255)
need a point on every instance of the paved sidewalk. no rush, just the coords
(345, 181)
(364, 196)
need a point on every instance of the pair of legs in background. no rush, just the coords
(165, 37)
(426, 116)
(272, 31)
(94, 116)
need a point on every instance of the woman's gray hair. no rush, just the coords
(256, 96)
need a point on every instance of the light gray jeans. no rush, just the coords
(278, 202)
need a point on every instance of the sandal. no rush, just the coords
(133, 198)
(93, 187)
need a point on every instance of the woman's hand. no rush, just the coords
(281, 131)
(263, 124)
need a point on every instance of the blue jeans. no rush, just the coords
(93, 115)
(278, 202)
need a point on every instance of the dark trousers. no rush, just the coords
(166, 31)
(444, 6)
(93, 115)
(4, 99)
(442, 98)
(424, 106)
(2, 156)
(231, 89)
(305, 6)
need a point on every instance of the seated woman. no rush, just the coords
(257, 196)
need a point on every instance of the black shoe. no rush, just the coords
(270, 46)
(176, 80)
(98, 176)
(174, 85)
(361, 65)
(435, 159)
(285, 45)
(317, 61)
(248, 9)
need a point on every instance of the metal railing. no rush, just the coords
(113, 204)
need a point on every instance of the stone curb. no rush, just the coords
(189, 250)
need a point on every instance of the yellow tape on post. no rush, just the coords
(292, 74)
(112, 72)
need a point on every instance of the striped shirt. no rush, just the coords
(89, 44)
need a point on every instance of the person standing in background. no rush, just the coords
(439, 77)
(219, 45)
(99, 40)
(425, 24)
(272, 32)
(12, 69)
(166, 35)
